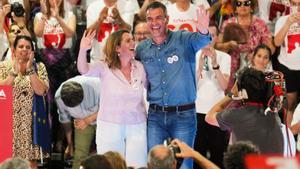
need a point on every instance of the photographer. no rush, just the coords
(250, 122)
(188, 152)
(161, 156)
(14, 11)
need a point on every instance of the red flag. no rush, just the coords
(6, 120)
(272, 162)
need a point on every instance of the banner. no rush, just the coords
(6, 120)
(272, 162)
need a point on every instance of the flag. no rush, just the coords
(6, 122)
(41, 129)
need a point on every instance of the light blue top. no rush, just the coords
(170, 67)
(89, 104)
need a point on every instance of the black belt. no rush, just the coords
(156, 107)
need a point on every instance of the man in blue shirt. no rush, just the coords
(169, 61)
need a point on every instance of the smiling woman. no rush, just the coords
(122, 116)
(261, 58)
(19, 72)
(257, 32)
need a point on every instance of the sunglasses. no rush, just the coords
(14, 31)
(245, 3)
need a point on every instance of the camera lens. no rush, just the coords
(18, 9)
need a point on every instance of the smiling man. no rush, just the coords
(169, 61)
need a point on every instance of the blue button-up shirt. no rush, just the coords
(170, 67)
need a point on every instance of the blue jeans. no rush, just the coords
(180, 125)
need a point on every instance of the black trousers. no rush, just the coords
(210, 139)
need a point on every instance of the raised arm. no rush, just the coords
(202, 20)
(39, 22)
(188, 152)
(85, 44)
(220, 76)
(211, 116)
(199, 39)
(281, 34)
(38, 78)
(21, 22)
(69, 28)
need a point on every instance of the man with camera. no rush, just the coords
(166, 157)
(10, 14)
(250, 122)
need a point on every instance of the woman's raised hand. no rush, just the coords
(87, 38)
(55, 9)
(43, 7)
(16, 66)
(29, 64)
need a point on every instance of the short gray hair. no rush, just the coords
(159, 160)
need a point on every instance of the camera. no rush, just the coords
(276, 90)
(18, 9)
(174, 150)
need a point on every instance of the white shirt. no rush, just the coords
(289, 52)
(209, 92)
(201, 2)
(52, 28)
(127, 10)
(179, 20)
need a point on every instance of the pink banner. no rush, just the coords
(6, 135)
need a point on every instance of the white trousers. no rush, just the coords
(129, 140)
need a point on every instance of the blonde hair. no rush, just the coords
(110, 49)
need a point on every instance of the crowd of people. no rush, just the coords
(206, 73)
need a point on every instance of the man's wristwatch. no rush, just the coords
(216, 67)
